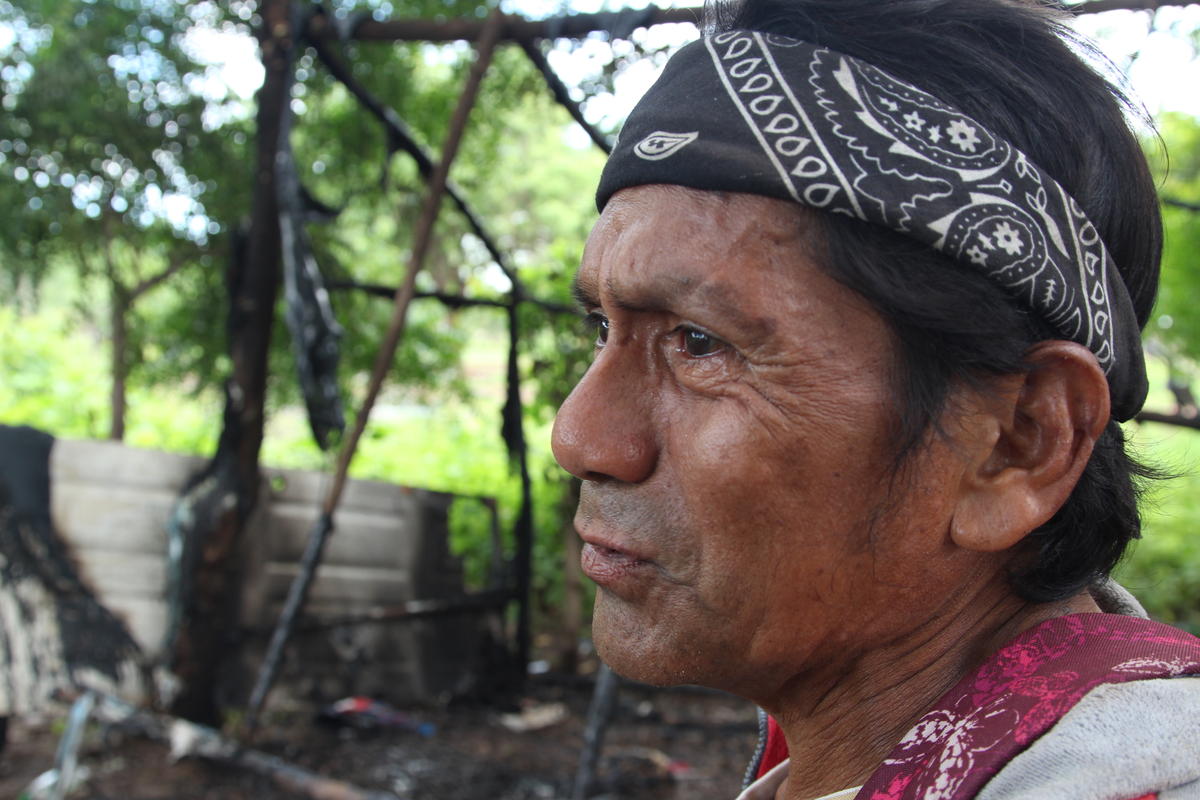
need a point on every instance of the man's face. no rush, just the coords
(732, 437)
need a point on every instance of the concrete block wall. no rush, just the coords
(110, 503)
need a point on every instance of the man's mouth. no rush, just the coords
(610, 565)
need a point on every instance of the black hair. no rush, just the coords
(1017, 68)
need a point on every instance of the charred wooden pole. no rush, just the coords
(600, 712)
(572, 605)
(292, 606)
(298, 592)
(513, 430)
(189, 740)
(486, 600)
(219, 500)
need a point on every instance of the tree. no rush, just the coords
(135, 178)
(104, 149)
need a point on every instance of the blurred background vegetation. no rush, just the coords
(126, 157)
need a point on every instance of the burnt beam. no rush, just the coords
(619, 24)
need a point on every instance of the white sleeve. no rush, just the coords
(1119, 742)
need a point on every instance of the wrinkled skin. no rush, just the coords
(739, 507)
(750, 467)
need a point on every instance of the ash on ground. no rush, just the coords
(661, 744)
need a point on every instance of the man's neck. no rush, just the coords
(839, 728)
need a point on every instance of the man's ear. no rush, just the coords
(1032, 440)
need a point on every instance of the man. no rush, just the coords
(867, 288)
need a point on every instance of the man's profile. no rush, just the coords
(867, 289)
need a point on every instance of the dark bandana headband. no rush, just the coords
(769, 115)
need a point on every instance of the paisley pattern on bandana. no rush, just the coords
(770, 115)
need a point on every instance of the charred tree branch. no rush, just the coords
(1100, 6)
(1169, 419)
(619, 24)
(563, 95)
(400, 137)
(449, 300)
(1185, 205)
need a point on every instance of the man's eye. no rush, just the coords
(598, 324)
(698, 344)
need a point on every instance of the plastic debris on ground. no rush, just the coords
(365, 713)
(535, 717)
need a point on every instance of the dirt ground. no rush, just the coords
(662, 744)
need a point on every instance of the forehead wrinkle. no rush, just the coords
(685, 294)
(658, 292)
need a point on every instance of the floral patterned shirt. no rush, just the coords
(999, 709)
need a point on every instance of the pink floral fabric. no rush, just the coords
(995, 712)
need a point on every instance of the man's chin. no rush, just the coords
(637, 649)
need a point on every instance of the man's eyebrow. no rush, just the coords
(584, 291)
(676, 293)
(718, 297)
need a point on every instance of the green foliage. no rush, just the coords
(51, 376)
(1177, 314)
(55, 380)
(122, 155)
(171, 420)
(1163, 569)
(126, 157)
(109, 148)
(103, 129)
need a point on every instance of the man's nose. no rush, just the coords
(604, 429)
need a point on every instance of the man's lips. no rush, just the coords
(608, 562)
(606, 565)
